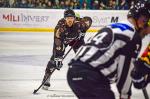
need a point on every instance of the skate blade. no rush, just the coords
(45, 87)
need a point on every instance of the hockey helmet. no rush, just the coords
(141, 7)
(69, 13)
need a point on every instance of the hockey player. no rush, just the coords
(67, 32)
(108, 57)
(141, 72)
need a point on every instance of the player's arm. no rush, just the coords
(86, 23)
(120, 41)
(82, 25)
(141, 72)
(58, 39)
(59, 46)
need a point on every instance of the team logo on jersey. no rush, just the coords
(58, 48)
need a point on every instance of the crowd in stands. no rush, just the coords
(64, 4)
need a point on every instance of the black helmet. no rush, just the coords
(69, 13)
(141, 7)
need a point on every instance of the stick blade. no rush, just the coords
(34, 92)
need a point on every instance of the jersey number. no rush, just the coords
(98, 38)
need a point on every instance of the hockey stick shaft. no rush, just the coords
(145, 93)
(34, 92)
(50, 73)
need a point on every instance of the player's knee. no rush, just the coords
(49, 66)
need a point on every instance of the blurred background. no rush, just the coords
(74, 4)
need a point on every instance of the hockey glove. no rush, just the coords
(58, 63)
(81, 35)
(138, 79)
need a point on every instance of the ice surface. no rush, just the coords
(23, 59)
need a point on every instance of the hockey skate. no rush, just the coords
(47, 84)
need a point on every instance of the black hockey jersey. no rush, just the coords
(64, 35)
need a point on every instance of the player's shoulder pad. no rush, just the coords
(61, 21)
(87, 19)
(123, 29)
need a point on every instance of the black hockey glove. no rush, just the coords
(58, 63)
(139, 80)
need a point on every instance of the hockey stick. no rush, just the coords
(34, 92)
(145, 93)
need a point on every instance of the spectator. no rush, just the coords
(67, 4)
(1, 3)
(95, 5)
(89, 4)
(15, 4)
(123, 5)
(23, 4)
(40, 4)
(49, 5)
(102, 5)
(44, 5)
(11, 2)
(76, 4)
(31, 3)
(111, 5)
(71, 5)
(84, 6)
(46, 1)
(130, 2)
(4, 3)
(62, 4)
(80, 3)
(56, 5)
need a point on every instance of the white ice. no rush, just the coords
(23, 59)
